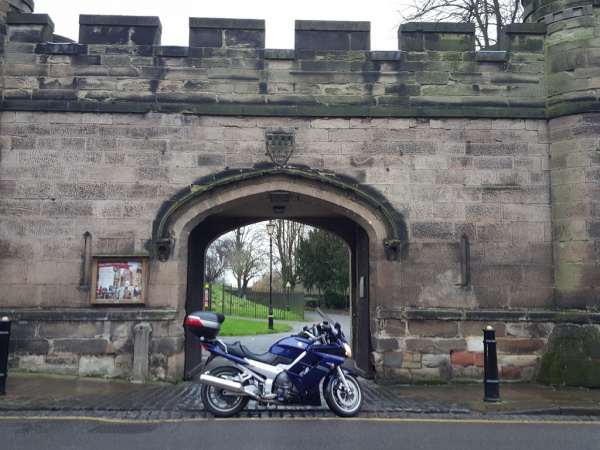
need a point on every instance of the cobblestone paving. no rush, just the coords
(183, 402)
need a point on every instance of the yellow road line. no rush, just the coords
(285, 419)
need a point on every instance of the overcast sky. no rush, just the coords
(278, 14)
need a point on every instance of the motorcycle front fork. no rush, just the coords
(340, 374)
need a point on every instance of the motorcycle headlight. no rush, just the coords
(348, 350)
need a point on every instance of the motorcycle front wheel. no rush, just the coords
(220, 402)
(344, 402)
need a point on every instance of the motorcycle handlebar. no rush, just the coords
(319, 332)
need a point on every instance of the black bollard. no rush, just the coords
(490, 366)
(4, 341)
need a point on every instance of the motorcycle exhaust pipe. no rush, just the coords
(228, 385)
(232, 386)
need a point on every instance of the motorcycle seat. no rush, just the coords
(241, 351)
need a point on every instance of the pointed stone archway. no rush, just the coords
(370, 227)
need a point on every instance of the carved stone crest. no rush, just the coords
(280, 146)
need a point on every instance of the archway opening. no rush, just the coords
(361, 221)
(200, 239)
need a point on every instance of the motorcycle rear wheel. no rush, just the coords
(344, 403)
(220, 402)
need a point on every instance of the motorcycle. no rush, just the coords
(295, 371)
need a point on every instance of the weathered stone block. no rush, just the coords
(479, 359)
(433, 329)
(435, 361)
(447, 292)
(43, 272)
(527, 37)
(462, 358)
(504, 252)
(532, 232)
(497, 275)
(166, 346)
(431, 230)
(29, 27)
(80, 346)
(234, 33)
(331, 35)
(519, 346)
(16, 249)
(383, 344)
(28, 346)
(119, 30)
(81, 330)
(492, 297)
(469, 328)
(518, 360)
(96, 366)
(435, 346)
(393, 359)
(420, 36)
(493, 232)
(475, 344)
(393, 327)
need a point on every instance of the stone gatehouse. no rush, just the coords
(466, 183)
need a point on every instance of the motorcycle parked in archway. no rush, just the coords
(295, 371)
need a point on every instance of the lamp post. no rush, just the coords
(270, 229)
(288, 286)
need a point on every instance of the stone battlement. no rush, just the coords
(119, 65)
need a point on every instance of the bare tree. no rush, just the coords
(215, 261)
(489, 16)
(287, 237)
(245, 255)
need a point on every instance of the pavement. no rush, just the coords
(43, 395)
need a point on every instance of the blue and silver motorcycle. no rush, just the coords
(295, 371)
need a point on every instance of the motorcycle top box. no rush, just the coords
(205, 324)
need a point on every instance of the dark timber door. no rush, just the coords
(193, 302)
(361, 332)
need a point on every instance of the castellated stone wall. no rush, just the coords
(66, 174)
(119, 65)
(488, 157)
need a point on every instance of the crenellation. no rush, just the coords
(421, 36)
(523, 37)
(119, 30)
(29, 28)
(237, 57)
(224, 33)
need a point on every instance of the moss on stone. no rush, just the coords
(368, 196)
(572, 357)
(571, 317)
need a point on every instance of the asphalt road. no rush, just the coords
(297, 434)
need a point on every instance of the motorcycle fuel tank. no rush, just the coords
(290, 347)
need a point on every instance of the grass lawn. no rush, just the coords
(241, 327)
(227, 303)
